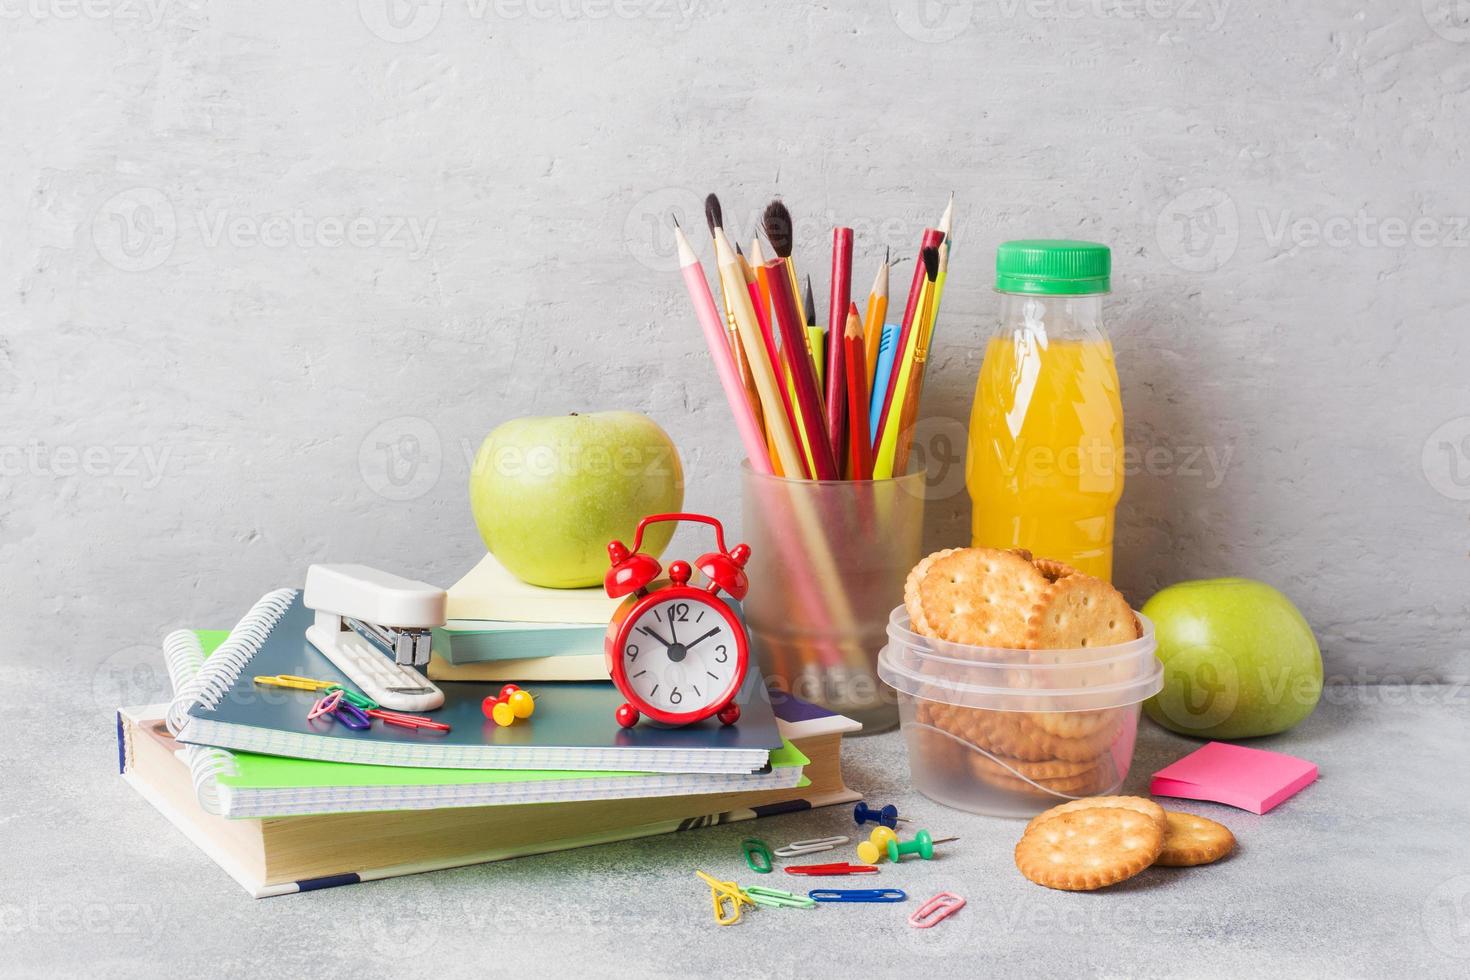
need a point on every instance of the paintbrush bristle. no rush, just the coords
(931, 263)
(713, 214)
(777, 225)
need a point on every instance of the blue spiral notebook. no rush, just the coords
(573, 727)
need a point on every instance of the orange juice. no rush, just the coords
(1045, 460)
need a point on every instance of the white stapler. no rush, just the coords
(375, 627)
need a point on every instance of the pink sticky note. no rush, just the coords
(1251, 779)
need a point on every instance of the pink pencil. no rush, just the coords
(719, 348)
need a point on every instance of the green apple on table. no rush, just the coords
(1239, 659)
(548, 493)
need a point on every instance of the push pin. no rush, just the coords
(887, 815)
(922, 845)
(875, 848)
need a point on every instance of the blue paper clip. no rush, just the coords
(352, 716)
(857, 895)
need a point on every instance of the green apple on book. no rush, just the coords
(548, 493)
(1239, 659)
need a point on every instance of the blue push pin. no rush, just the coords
(887, 816)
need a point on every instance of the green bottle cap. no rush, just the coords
(1053, 267)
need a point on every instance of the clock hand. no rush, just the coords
(650, 632)
(690, 646)
(673, 630)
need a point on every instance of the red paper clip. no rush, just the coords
(938, 908)
(406, 721)
(833, 870)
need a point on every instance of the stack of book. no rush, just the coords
(285, 804)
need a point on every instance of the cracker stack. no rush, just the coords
(1023, 611)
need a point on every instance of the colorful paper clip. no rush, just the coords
(352, 697)
(936, 910)
(777, 899)
(294, 682)
(831, 870)
(799, 847)
(406, 721)
(324, 706)
(352, 716)
(757, 855)
(857, 895)
(727, 897)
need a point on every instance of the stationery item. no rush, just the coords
(489, 591)
(857, 895)
(882, 371)
(812, 845)
(808, 402)
(780, 232)
(911, 384)
(374, 626)
(352, 716)
(727, 897)
(816, 338)
(887, 814)
(875, 848)
(837, 315)
(406, 721)
(442, 827)
(922, 845)
(295, 683)
(1246, 778)
(666, 684)
(936, 910)
(218, 708)
(361, 700)
(715, 218)
(757, 855)
(720, 351)
(325, 705)
(760, 297)
(761, 368)
(859, 448)
(510, 705)
(873, 316)
(578, 667)
(837, 869)
(467, 641)
(776, 899)
(932, 238)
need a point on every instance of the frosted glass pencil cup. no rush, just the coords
(828, 562)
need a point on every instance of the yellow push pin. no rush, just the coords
(875, 848)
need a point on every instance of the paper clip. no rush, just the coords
(776, 899)
(405, 721)
(937, 909)
(352, 697)
(294, 682)
(833, 870)
(856, 895)
(799, 847)
(757, 855)
(324, 706)
(722, 892)
(352, 716)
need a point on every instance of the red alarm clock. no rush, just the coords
(677, 652)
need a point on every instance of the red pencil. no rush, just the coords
(932, 238)
(794, 352)
(859, 451)
(836, 348)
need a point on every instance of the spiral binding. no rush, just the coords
(206, 765)
(197, 682)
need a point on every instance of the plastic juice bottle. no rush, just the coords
(1045, 461)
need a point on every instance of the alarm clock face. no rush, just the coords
(681, 655)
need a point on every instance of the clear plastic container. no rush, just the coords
(1011, 732)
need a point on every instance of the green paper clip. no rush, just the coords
(353, 698)
(753, 848)
(772, 898)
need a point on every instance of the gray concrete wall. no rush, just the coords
(269, 272)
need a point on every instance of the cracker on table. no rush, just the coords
(1145, 806)
(1192, 840)
(1089, 849)
(980, 596)
(1078, 611)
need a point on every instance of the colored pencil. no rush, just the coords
(808, 402)
(719, 347)
(873, 319)
(816, 340)
(839, 301)
(714, 217)
(859, 450)
(913, 385)
(932, 238)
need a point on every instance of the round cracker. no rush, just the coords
(1137, 803)
(911, 591)
(1089, 849)
(1090, 779)
(1010, 733)
(1051, 569)
(1078, 611)
(1192, 840)
(981, 596)
(1072, 724)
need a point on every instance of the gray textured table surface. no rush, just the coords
(1366, 872)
